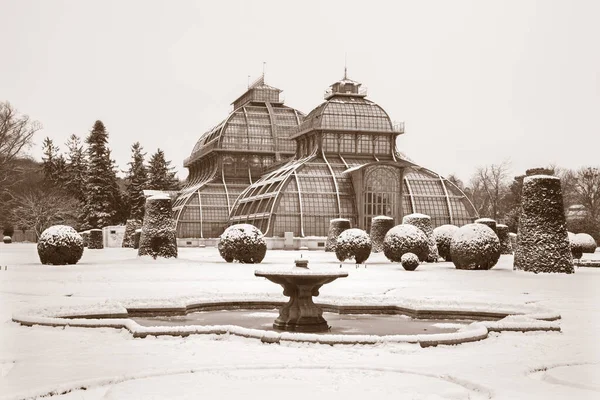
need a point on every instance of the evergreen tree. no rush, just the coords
(101, 188)
(76, 168)
(160, 173)
(53, 165)
(137, 179)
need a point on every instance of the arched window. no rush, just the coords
(382, 192)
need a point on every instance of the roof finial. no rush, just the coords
(345, 66)
(248, 81)
(264, 67)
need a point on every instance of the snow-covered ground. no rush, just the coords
(111, 364)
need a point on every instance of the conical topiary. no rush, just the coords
(129, 236)
(95, 239)
(488, 222)
(423, 222)
(379, 227)
(336, 226)
(158, 230)
(505, 245)
(543, 244)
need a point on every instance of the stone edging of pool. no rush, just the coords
(487, 318)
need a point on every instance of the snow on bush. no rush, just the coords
(488, 222)
(505, 244)
(336, 226)
(136, 238)
(587, 242)
(403, 239)
(475, 246)
(409, 261)
(244, 243)
(129, 236)
(543, 240)
(353, 244)
(423, 222)
(85, 235)
(443, 237)
(576, 246)
(7, 239)
(379, 227)
(60, 245)
(157, 238)
(95, 239)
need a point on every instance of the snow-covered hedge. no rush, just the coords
(7, 239)
(136, 238)
(576, 246)
(505, 245)
(244, 243)
(129, 236)
(158, 229)
(95, 239)
(423, 222)
(443, 237)
(543, 240)
(403, 239)
(409, 261)
(488, 222)
(379, 227)
(475, 246)
(587, 242)
(353, 244)
(336, 226)
(60, 245)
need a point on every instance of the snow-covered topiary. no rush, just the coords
(409, 261)
(136, 238)
(379, 227)
(505, 245)
(576, 246)
(488, 222)
(60, 245)
(403, 239)
(7, 239)
(353, 244)
(423, 222)
(95, 239)
(475, 246)
(85, 235)
(158, 229)
(129, 236)
(244, 243)
(443, 237)
(587, 242)
(513, 240)
(543, 244)
(336, 226)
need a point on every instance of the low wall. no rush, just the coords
(273, 243)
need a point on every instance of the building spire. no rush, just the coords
(345, 66)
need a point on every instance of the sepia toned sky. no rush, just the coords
(476, 82)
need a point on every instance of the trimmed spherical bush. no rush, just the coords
(488, 222)
(409, 261)
(336, 226)
(7, 239)
(353, 244)
(475, 247)
(505, 245)
(379, 227)
(136, 238)
(60, 245)
(244, 243)
(95, 239)
(423, 222)
(129, 236)
(158, 229)
(576, 246)
(443, 237)
(587, 242)
(403, 239)
(543, 244)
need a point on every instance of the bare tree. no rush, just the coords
(587, 187)
(38, 209)
(16, 132)
(487, 188)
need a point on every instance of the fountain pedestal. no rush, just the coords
(300, 313)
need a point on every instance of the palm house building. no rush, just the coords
(290, 174)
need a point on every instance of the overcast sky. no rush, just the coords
(476, 82)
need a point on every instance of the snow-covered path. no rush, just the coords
(112, 364)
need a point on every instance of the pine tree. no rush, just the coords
(76, 168)
(53, 165)
(102, 191)
(160, 173)
(137, 179)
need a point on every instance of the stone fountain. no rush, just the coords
(300, 313)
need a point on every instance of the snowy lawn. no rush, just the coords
(111, 364)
